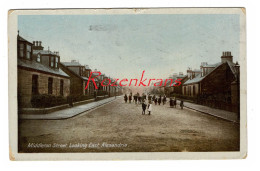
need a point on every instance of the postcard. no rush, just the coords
(127, 84)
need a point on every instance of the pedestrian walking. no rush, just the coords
(149, 108)
(135, 98)
(174, 103)
(181, 104)
(153, 98)
(130, 98)
(160, 100)
(171, 103)
(143, 107)
(138, 95)
(125, 98)
(155, 101)
(164, 100)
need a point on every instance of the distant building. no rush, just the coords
(38, 72)
(171, 87)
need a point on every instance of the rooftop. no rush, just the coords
(199, 78)
(72, 63)
(22, 39)
(38, 66)
(43, 52)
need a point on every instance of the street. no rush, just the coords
(120, 127)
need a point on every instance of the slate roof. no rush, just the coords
(87, 67)
(38, 66)
(85, 78)
(43, 52)
(213, 65)
(232, 67)
(181, 76)
(22, 39)
(67, 64)
(169, 82)
(199, 78)
(196, 70)
(71, 63)
(173, 82)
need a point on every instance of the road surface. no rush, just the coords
(120, 127)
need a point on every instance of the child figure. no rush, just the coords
(149, 108)
(143, 107)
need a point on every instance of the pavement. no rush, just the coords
(68, 112)
(226, 115)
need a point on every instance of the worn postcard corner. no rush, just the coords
(127, 84)
(11, 156)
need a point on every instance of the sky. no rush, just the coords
(122, 46)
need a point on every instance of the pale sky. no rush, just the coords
(122, 46)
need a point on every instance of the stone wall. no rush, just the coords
(25, 86)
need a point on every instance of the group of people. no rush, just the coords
(138, 99)
(173, 103)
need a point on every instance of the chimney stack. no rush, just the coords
(226, 56)
(37, 45)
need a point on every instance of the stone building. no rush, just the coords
(38, 72)
(215, 85)
(79, 75)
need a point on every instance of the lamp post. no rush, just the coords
(237, 67)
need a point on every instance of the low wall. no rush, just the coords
(56, 108)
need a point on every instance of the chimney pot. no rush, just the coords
(40, 43)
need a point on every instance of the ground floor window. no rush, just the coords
(61, 87)
(50, 82)
(34, 84)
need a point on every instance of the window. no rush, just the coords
(34, 84)
(52, 61)
(28, 51)
(56, 62)
(81, 71)
(86, 90)
(38, 58)
(21, 50)
(61, 87)
(50, 81)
